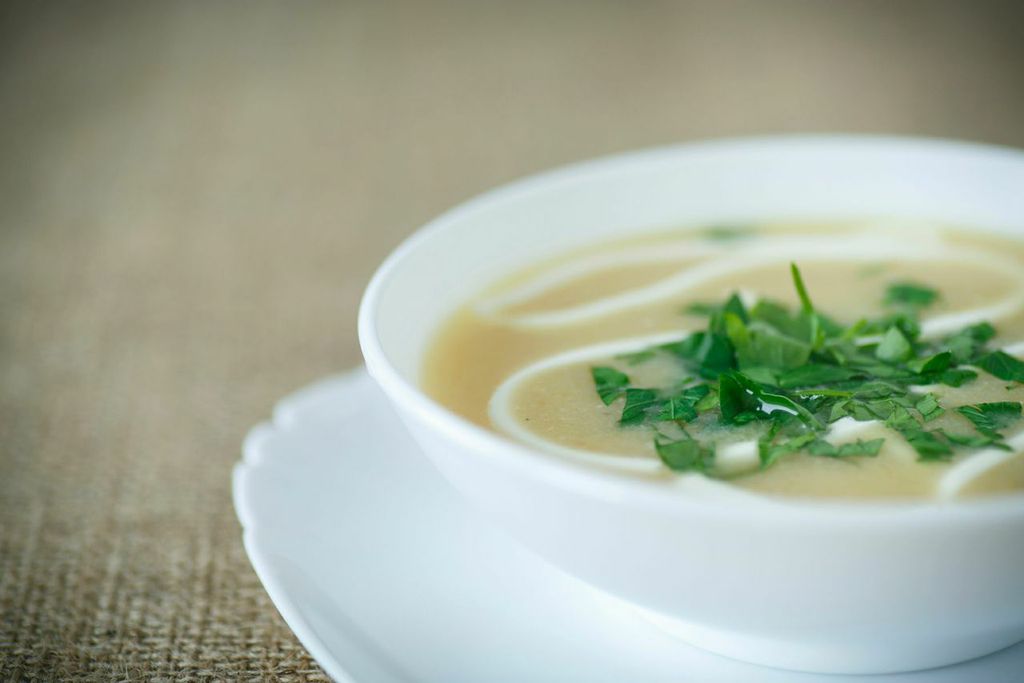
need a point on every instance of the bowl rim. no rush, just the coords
(605, 484)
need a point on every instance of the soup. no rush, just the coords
(863, 360)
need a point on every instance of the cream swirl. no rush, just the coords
(864, 247)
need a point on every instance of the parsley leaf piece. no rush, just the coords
(739, 394)
(732, 319)
(980, 332)
(966, 344)
(894, 347)
(861, 412)
(931, 364)
(816, 374)
(989, 418)
(683, 406)
(801, 289)
(685, 455)
(763, 347)
(706, 353)
(696, 393)
(734, 305)
(839, 410)
(877, 389)
(734, 399)
(733, 327)
(854, 448)
(638, 402)
(819, 329)
(677, 409)
(910, 295)
(907, 324)
(929, 445)
(974, 440)
(957, 377)
(1002, 365)
(777, 316)
(708, 402)
(768, 453)
(609, 382)
(870, 448)
(898, 417)
(929, 407)
(762, 375)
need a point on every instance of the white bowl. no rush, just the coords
(852, 587)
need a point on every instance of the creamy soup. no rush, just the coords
(867, 360)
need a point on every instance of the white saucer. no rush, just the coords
(385, 575)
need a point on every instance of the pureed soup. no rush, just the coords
(865, 360)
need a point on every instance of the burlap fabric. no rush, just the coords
(192, 197)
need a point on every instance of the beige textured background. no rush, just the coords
(192, 197)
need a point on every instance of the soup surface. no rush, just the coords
(885, 362)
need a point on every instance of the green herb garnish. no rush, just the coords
(610, 383)
(894, 347)
(863, 448)
(685, 455)
(989, 418)
(929, 407)
(789, 374)
(1003, 366)
(728, 233)
(910, 295)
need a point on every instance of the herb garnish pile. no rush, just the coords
(791, 374)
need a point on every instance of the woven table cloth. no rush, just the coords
(193, 196)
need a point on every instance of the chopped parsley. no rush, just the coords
(685, 454)
(989, 418)
(910, 295)
(788, 375)
(638, 403)
(929, 407)
(610, 383)
(1003, 366)
(728, 233)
